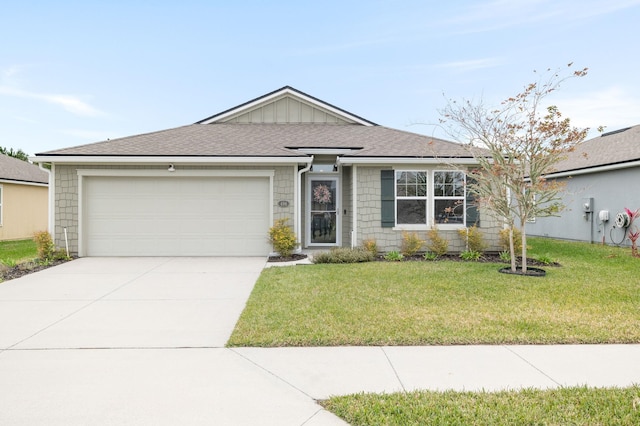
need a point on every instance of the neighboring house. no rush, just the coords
(215, 187)
(23, 199)
(602, 177)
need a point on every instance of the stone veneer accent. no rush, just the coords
(66, 195)
(387, 239)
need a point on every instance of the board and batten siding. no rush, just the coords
(287, 110)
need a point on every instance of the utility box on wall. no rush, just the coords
(587, 205)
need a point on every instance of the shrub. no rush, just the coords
(436, 243)
(44, 245)
(411, 243)
(545, 259)
(517, 239)
(371, 246)
(394, 255)
(430, 256)
(505, 256)
(470, 255)
(282, 238)
(344, 255)
(474, 239)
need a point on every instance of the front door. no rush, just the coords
(323, 226)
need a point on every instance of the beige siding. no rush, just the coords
(287, 110)
(24, 211)
(66, 195)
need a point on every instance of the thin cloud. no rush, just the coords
(69, 102)
(613, 107)
(502, 14)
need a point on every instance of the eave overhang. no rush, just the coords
(151, 160)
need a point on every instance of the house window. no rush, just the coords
(411, 197)
(449, 197)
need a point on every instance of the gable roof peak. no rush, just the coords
(291, 92)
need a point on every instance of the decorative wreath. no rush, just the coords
(322, 194)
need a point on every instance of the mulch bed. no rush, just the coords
(26, 268)
(292, 258)
(485, 258)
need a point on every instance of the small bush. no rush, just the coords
(470, 255)
(344, 255)
(394, 256)
(474, 239)
(545, 259)
(282, 238)
(430, 256)
(517, 239)
(505, 256)
(371, 246)
(436, 243)
(44, 245)
(411, 243)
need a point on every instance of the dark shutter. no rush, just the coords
(473, 214)
(387, 205)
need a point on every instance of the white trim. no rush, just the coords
(598, 169)
(299, 207)
(338, 180)
(81, 248)
(327, 151)
(169, 160)
(280, 94)
(19, 182)
(177, 173)
(404, 160)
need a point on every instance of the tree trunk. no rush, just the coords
(512, 250)
(523, 232)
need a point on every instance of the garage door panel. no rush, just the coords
(132, 216)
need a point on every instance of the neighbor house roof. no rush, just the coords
(616, 148)
(12, 169)
(270, 140)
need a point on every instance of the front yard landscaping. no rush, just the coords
(566, 406)
(594, 297)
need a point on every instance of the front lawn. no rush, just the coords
(593, 298)
(565, 406)
(14, 252)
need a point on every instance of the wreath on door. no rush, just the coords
(322, 194)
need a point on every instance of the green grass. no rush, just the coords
(593, 298)
(14, 252)
(565, 406)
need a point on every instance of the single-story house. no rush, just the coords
(602, 177)
(23, 199)
(215, 187)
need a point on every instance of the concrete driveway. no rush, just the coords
(137, 341)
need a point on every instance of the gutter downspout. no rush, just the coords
(298, 210)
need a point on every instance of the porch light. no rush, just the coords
(171, 168)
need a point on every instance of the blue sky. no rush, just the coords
(75, 72)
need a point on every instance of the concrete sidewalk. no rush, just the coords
(132, 341)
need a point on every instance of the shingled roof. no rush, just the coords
(612, 148)
(12, 169)
(270, 140)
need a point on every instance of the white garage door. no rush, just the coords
(176, 216)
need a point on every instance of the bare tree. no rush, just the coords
(522, 143)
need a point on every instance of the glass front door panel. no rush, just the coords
(323, 211)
